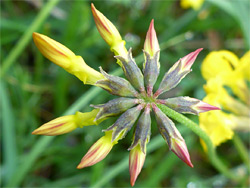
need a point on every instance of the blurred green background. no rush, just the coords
(35, 91)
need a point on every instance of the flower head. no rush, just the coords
(224, 69)
(136, 98)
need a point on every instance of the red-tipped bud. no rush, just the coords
(177, 72)
(180, 149)
(136, 161)
(57, 126)
(109, 33)
(151, 44)
(98, 151)
(187, 105)
(204, 107)
(189, 59)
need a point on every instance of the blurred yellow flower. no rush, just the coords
(194, 4)
(226, 87)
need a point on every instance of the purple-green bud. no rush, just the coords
(151, 70)
(132, 71)
(171, 79)
(171, 134)
(114, 107)
(125, 122)
(143, 130)
(187, 105)
(116, 85)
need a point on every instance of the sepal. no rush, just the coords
(125, 122)
(132, 71)
(143, 130)
(114, 107)
(116, 85)
(151, 70)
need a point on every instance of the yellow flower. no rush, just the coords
(223, 70)
(195, 4)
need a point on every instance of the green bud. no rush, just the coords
(143, 130)
(151, 70)
(114, 107)
(125, 122)
(172, 78)
(166, 126)
(132, 71)
(116, 85)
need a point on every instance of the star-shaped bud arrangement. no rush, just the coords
(136, 97)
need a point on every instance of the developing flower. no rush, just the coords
(135, 97)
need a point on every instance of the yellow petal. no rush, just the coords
(244, 66)
(57, 126)
(62, 56)
(98, 151)
(217, 124)
(68, 123)
(218, 63)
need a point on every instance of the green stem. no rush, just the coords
(24, 40)
(242, 151)
(217, 163)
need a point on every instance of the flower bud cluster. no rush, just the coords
(136, 96)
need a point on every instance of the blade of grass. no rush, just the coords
(26, 37)
(9, 143)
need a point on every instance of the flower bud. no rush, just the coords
(109, 32)
(179, 147)
(53, 50)
(114, 107)
(68, 123)
(172, 136)
(143, 130)
(63, 57)
(116, 85)
(187, 105)
(57, 126)
(177, 72)
(125, 122)
(132, 71)
(151, 44)
(136, 161)
(98, 151)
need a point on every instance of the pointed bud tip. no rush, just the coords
(204, 107)
(151, 44)
(180, 149)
